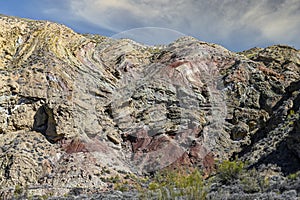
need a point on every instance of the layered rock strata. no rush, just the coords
(77, 110)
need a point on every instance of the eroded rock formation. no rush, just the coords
(77, 109)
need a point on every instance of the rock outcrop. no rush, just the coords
(77, 111)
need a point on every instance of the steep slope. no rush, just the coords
(77, 111)
(276, 142)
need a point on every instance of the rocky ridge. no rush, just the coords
(79, 111)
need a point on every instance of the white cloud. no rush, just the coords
(276, 23)
(150, 35)
(247, 23)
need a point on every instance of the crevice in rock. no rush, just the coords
(45, 123)
(29, 100)
(108, 110)
(8, 166)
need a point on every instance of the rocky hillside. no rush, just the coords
(80, 112)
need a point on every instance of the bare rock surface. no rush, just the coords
(77, 111)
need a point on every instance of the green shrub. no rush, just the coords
(179, 183)
(250, 181)
(121, 186)
(18, 191)
(114, 179)
(264, 183)
(294, 176)
(229, 171)
(130, 182)
(167, 184)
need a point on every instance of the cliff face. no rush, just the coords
(78, 109)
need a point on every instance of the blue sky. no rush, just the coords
(235, 24)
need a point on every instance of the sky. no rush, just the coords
(235, 24)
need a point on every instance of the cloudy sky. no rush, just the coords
(235, 24)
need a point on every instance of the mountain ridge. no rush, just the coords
(74, 106)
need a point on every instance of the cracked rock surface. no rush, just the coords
(77, 110)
